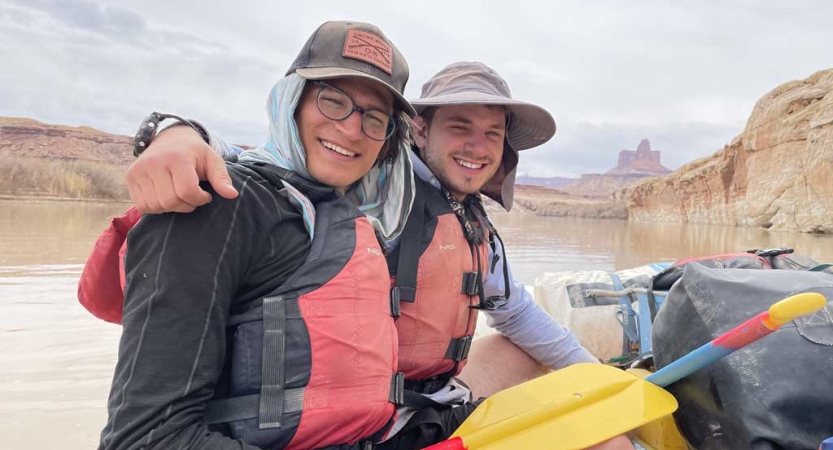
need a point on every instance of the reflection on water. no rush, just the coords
(50, 233)
(57, 360)
(538, 244)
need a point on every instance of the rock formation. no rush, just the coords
(776, 174)
(633, 166)
(30, 139)
(642, 162)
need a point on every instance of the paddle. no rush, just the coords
(740, 336)
(585, 404)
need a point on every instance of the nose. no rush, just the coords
(351, 127)
(476, 144)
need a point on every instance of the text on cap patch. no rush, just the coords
(370, 48)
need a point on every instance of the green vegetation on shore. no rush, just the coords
(78, 180)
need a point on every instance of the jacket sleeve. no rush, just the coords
(182, 274)
(527, 325)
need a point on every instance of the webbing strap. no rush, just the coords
(420, 401)
(272, 366)
(409, 252)
(628, 316)
(248, 406)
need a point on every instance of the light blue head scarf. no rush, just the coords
(384, 195)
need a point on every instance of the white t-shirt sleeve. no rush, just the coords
(527, 325)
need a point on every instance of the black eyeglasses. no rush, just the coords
(336, 105)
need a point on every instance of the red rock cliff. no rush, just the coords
(776, 174)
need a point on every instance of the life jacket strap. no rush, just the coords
(427, 386)
(272, 405)
(408, 261)
(248, 406)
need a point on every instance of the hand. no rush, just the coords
(167, 174)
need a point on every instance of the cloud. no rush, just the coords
(594, 148)
(684, 75)
(88, 15)
(106, 68)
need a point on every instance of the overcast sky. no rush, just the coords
(683, 74)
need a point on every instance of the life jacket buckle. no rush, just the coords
(395, 306)
(397, 389)
(459, 348)
(470, 286)
(403, 294)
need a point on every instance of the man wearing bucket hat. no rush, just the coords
(468, 133)
(449, 262)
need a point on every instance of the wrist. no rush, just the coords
(150, 129)
(183, 128)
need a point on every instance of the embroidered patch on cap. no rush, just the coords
(368, 47)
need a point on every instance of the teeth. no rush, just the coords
(337, 149)
(468, 164)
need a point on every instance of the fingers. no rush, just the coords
(134, 186)
(217, 175)
(186, 186)
(166, 194)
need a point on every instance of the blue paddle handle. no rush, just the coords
(688, 364)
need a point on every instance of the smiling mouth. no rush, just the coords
(468, 165)
(338, 149)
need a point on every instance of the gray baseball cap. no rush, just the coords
(466, 82)
(354, 49)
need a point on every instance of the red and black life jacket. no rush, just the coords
(313, 363)
(437, 278)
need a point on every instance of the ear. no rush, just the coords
(420, 131)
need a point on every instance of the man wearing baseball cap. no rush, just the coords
(449, 262)
(245, 324)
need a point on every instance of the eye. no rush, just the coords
(377, 118)
(494, 135)
(332, 99)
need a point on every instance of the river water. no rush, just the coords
(56, 360)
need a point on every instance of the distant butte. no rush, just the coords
(633, 165)
(643, 161)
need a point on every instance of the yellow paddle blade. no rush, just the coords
(573, 408)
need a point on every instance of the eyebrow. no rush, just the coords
(467, 121)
